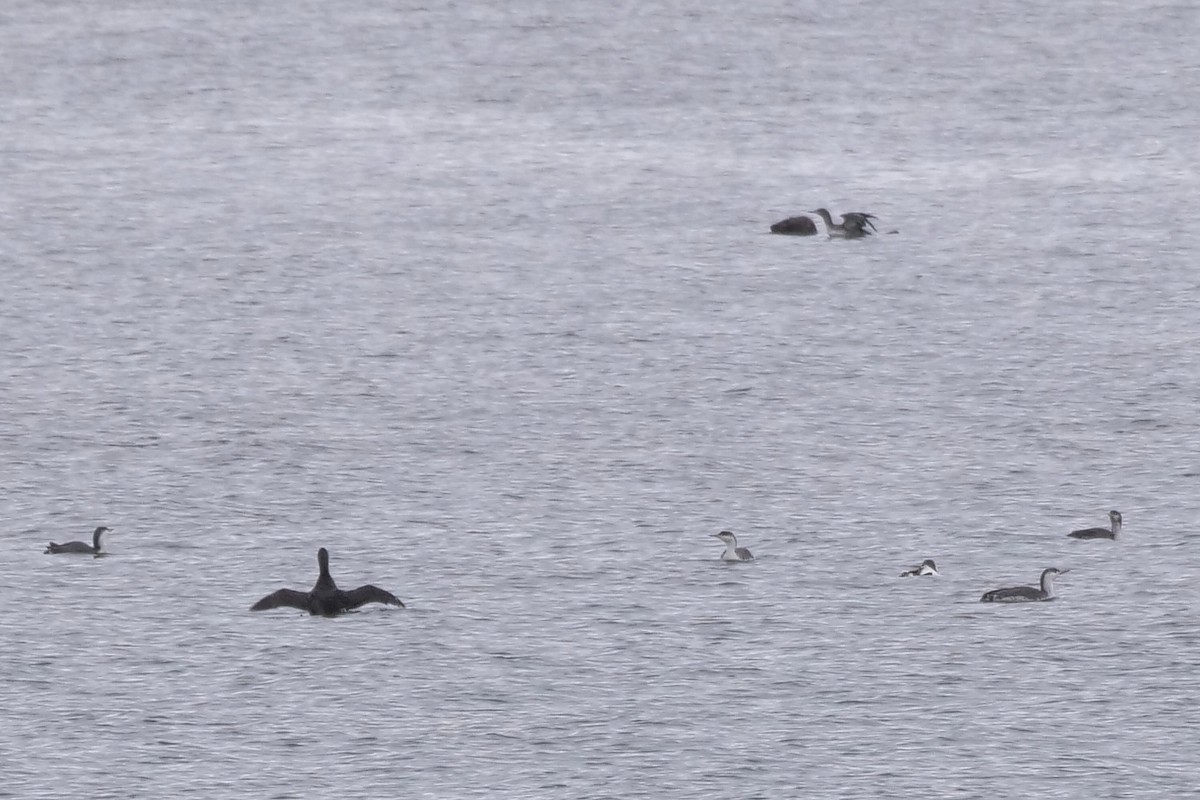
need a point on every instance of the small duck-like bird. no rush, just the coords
(795, 226)
(732, 551)
(1025, 594)
(926, 567)
(854, 224)
(326, 599)
(95, 548)
(1114, 517)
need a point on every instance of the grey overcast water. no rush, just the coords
(481, 297)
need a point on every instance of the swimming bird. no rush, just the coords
(732, 551)
(326, 598)
(854, 224)
(1023, 594)
(795, 226)
(1101, 533)
(926, 567)
(80, 547)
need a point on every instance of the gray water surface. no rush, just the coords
(482, 298)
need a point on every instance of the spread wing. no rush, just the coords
(860, 219)
(283, 597)
(370, 594)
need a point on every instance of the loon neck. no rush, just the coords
(1048, 583)
(1116, 527)
(324, 580)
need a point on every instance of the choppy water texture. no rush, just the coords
(482, 299)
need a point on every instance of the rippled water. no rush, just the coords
(482, 299)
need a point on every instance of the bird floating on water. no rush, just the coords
(795, 226)
(1025, 594)
(732, 551)
(926, 567)
(326, 599)
(95, 548)
(854, 224)
(1114, 517)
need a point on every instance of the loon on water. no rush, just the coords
(1021, 594)
(854, 224)
(80, 547)
(1101, 533)
(795, 226)
(926, 567)
(326, 598)
(732, 551)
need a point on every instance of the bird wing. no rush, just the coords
(859, 218)
(70, 547)
(283, 597)
(1013, 593)
(370, 594)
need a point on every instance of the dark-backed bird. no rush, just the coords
(926, 567)
(325, 598)
(854, 224)
(1025, 594)
(795, 226)
(94, 548)
(1114, 518)
(732, 551)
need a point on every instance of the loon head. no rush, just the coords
(1048, 576)
(928, 567)
(727, 537)
(1114, 517)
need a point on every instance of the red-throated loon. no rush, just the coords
(732, 551)
(795, 226)
(926, 567)
(1114, 517)
(80, 547)
(1022, 594)
(326, 598)
(854, 224)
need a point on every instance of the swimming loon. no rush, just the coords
(326, 598)
(732, 551)
(795, 226)
(854, 224)
(79, 547)
(1021, 594)
(926, 567)
(1101, 533)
